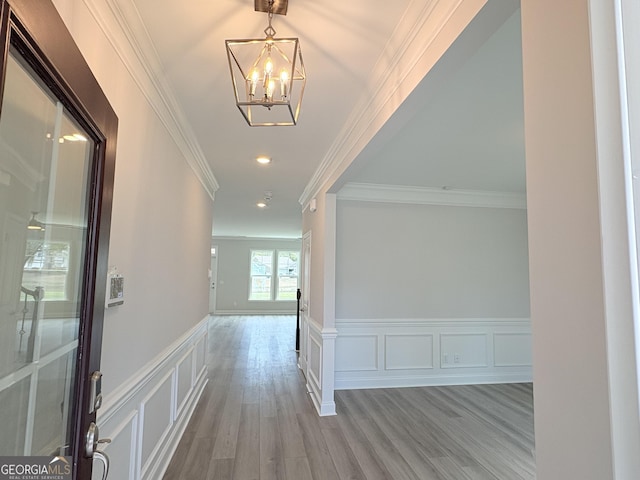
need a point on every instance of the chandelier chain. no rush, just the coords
(270, 32)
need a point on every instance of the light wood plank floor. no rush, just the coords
(256, 421)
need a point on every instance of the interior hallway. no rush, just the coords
(255, 421)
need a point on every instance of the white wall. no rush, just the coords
(431, 295)
(160, 243)
(430, 261)
(234, 258)
(586, 415)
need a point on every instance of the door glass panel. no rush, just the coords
(45, 163)
(13, 417)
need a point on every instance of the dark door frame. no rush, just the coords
(36, 29)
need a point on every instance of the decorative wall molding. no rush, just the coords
(122, 25)
(392, 323)
(386, 353)
(367, 192)
(146, 417)
(317, 362)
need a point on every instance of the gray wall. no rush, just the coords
(429, 261)
(233, 275)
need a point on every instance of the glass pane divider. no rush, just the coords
(31, 411)
(29, 369)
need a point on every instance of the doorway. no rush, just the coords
(213, 279)
(57, 160)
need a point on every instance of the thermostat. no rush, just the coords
(115, 289)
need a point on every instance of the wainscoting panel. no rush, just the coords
(184, 380)
(357, 353)
(123, 438)
(512, 349)
(408, 352)
(315, 358)
(156, 419)
(146, 417)
(383, 353)
(317, 361)
(460, 350)
(201, 355)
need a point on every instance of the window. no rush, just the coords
(288, 262)
(267, 283)
(47, 265)
(261, 274)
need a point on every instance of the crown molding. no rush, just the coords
(423, 34)
(122, 25)
(368, 192)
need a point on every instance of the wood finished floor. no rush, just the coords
(256, 421)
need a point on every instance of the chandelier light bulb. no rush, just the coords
(254, 82)
(270, 89)
(268, 69)
(284, 80)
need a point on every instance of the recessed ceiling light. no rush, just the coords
(263, 160)
(261, 205)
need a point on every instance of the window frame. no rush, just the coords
(274, 290)
(276, 295)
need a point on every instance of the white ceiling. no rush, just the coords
(469, 136)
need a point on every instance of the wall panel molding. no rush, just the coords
(431, 351)
(512, 349)
(317, 361)
(157, 410)
(151, 398)
(464, 350)
(362, 358)
(408, 351)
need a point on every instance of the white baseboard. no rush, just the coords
(146, 417)
(255, 312)
(425, 381)
(388, 353)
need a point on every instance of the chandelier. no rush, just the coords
(268, 74)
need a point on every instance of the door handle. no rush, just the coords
(105, 462)
(91, 448)
(95, 394)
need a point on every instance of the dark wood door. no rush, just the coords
(57, 161)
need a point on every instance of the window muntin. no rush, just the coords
(274, 275)
(47, 265)
(261, 275)
(288, 266)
